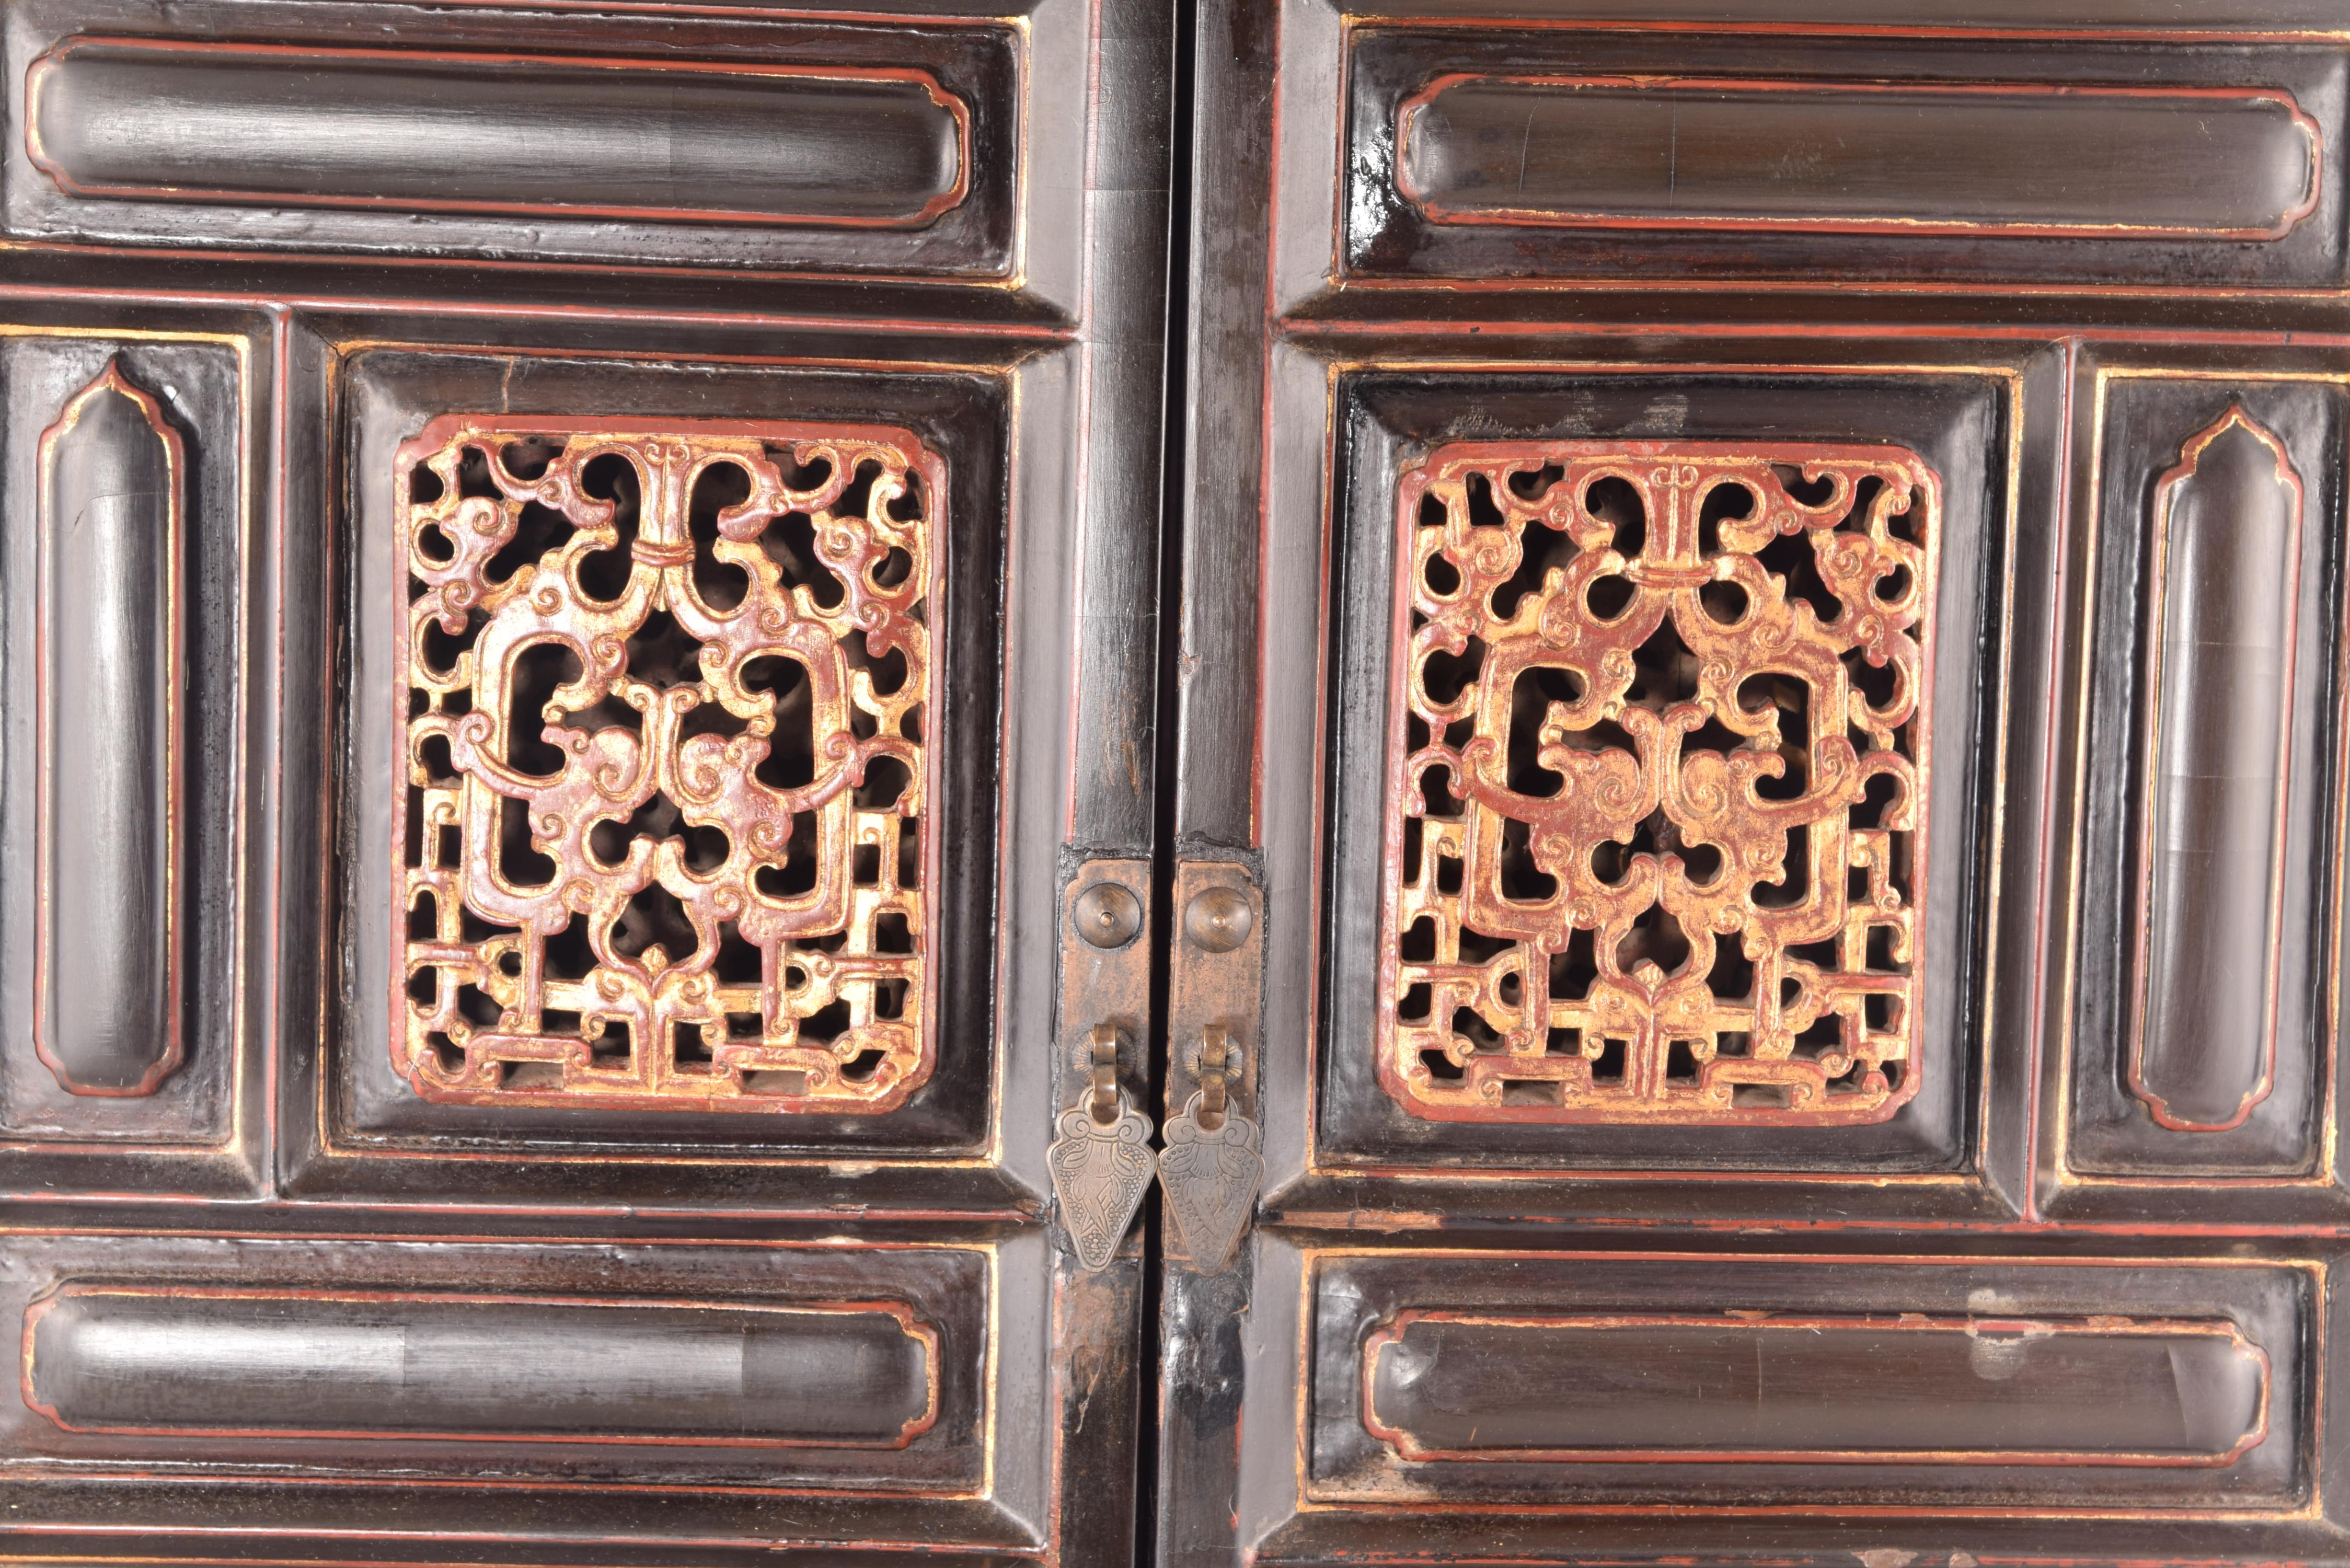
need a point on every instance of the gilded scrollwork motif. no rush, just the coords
(664, 842)
(1656, 783)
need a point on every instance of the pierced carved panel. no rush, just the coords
(1656, 783)
(664, 691)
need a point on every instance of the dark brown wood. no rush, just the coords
(1828, 1391)
(373, 1110)
(245, 1361)
(506, 1377)
(1223, 443)
(1876, 154)
(794, 143)
(1931, 1142)
(193, 1131)
(2224, 560)
(388, 1263)
(1751, 154)
(2257, 1083)
(1532, 1331)
(156, 120)
(287, 1302)
(1690, 1387)
(108, 1019)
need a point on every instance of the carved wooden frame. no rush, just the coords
(200, 1133)
(2275, 1313)
(2105, 1155)
(1982, 415)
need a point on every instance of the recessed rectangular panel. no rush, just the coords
(1730, 1388)
(870, 149)
(2225, 557)
(1819, 1382)
(2199, 1039)
(755, 1366)
(405, 130)
(672, 705)
(108, 1019)
(124, 862)
(1634, 771)
(237, 1361)
(1512, 154)
(1856, 157)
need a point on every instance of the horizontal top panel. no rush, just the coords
(1862, 157)
(844, 149)
(384, 128)
(1516, 154)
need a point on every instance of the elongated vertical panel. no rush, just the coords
(107, 1017)
(2221, 596)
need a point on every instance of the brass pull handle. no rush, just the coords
(1102, 1100)
(1101, 1159)
(1218, 1063)
(1211, 1164)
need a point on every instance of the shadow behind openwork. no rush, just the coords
(1657, 784)
(664, 835)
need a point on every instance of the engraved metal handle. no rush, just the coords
(1100, 1158)
(1212, 1166)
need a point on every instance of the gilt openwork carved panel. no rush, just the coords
(1656, 783)
(664, 840)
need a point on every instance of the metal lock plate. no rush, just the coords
(1211, 1167)
(1100, 1159)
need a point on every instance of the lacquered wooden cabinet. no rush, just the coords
(1116, 782)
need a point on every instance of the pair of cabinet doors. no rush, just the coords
(1078, 784)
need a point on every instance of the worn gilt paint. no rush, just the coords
(1656, 783)
(664, 835)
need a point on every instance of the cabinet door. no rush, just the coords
(1785, 730)
(576, 588)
